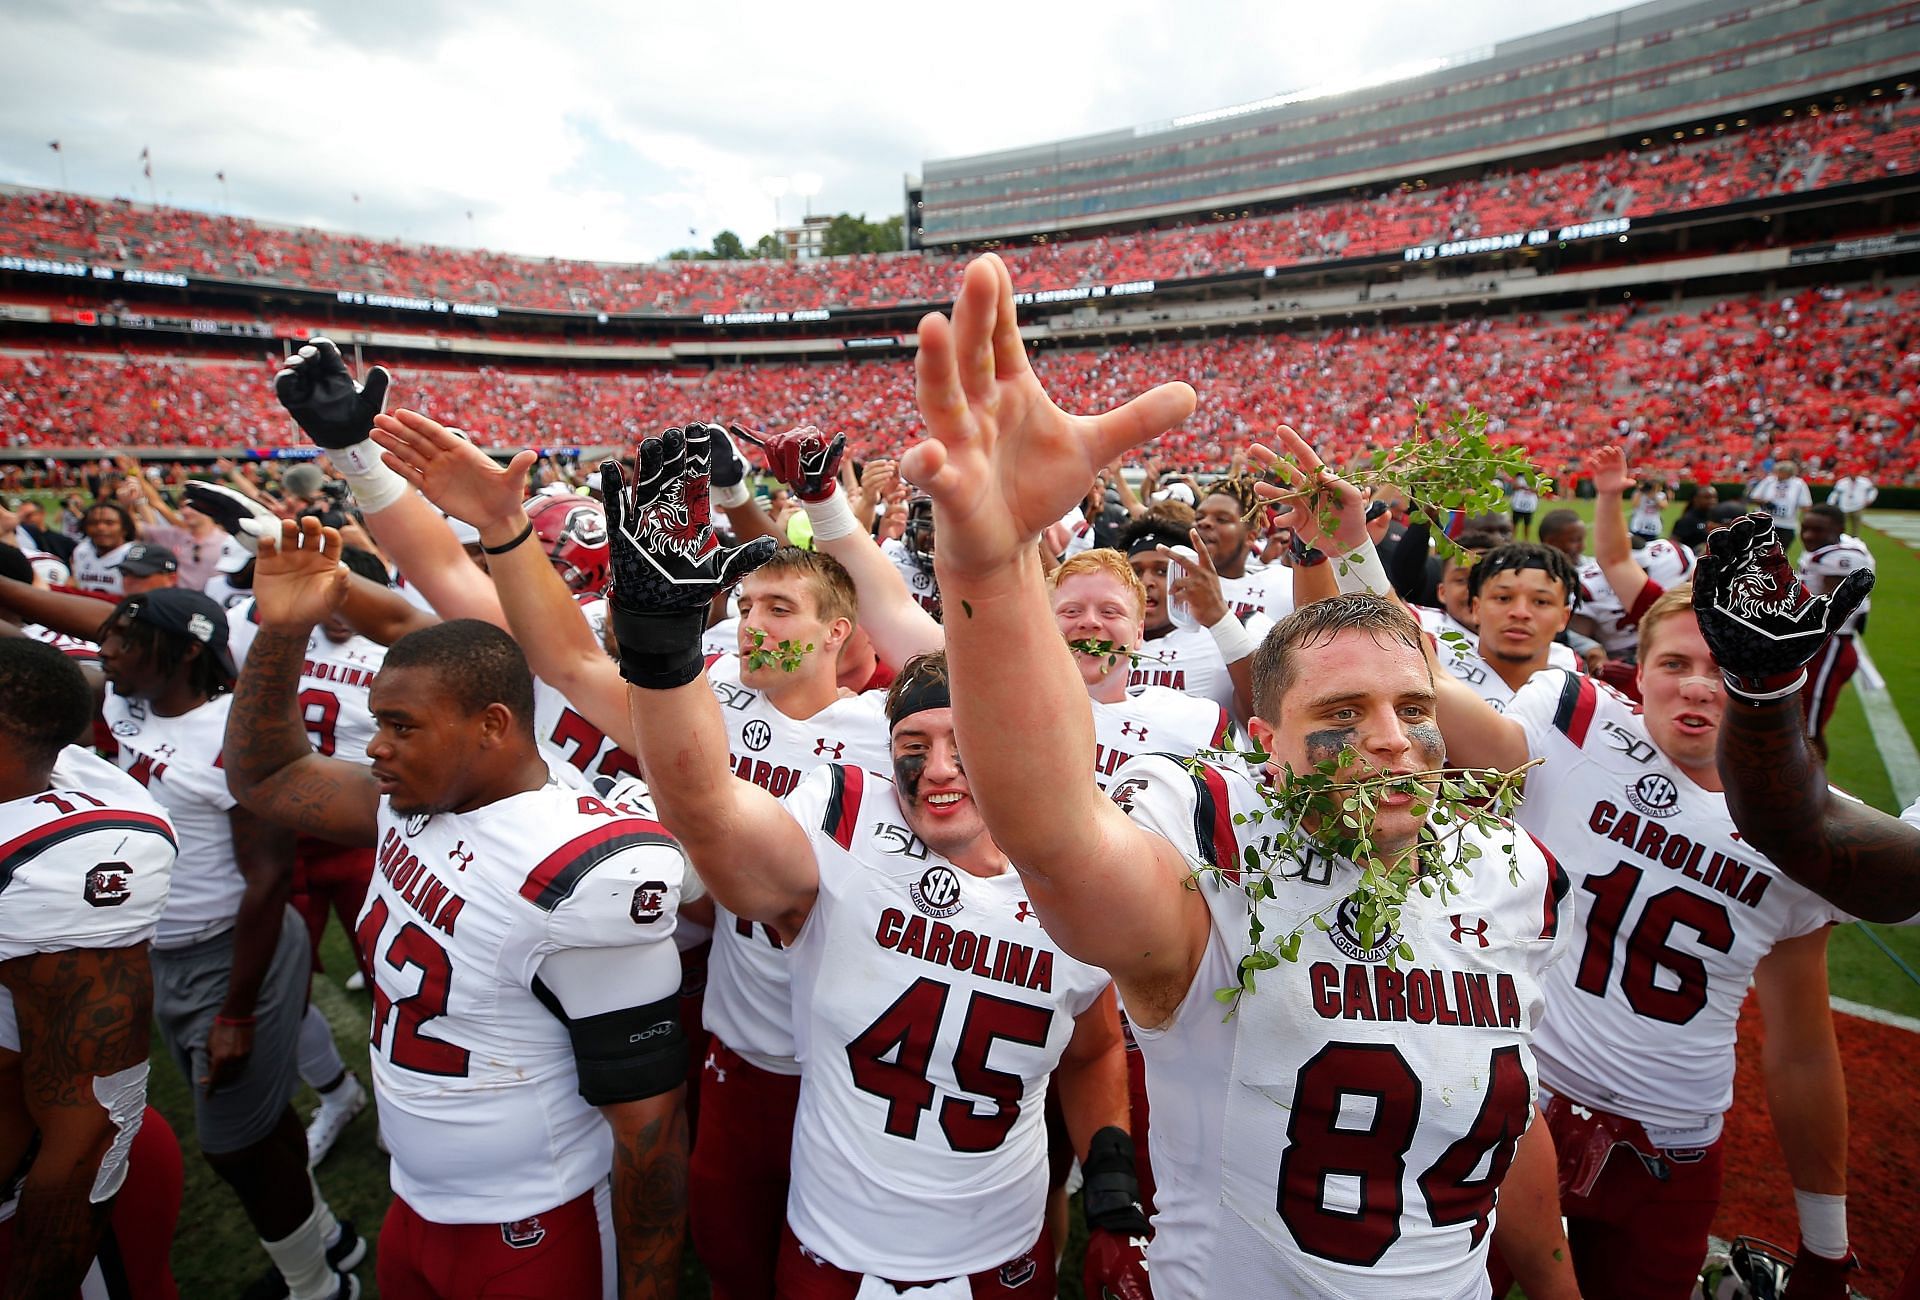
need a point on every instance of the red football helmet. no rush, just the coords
(573, 531)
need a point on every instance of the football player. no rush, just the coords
(520, 933)
(1223, 521)
(929, 1012)
(1523, 593)
(1827, 556)
(90, 855)
(1296, 1148)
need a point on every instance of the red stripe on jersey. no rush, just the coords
(1220, 732)
(716, 655)
(843, 807)
(1213, 822)
(1578, 699)
(1642, 603)
(1557, 886)
(21, 849)
(550, 882)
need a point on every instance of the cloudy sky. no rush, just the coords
(610, 130)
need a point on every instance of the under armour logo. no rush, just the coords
(719, 1073)
(1024, 911)
(1137, 732)
(1581, 1111)
(463, 853)
(831, 747)
(164, 751)
(1461, 930)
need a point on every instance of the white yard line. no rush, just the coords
(1875, 1014)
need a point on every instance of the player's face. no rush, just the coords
(1221, 529)
(1454, 597)
(1817, 531)
(1570, 541)
(931, 783)
(134, 584)
(1519, 612)
(420, 741)
(1374, 697)
(1151, 568)
(1705, 498)
(1681, 692)
(104, 529)
(1097, 607)
(783, 607)
(131, 671)
(336, 629)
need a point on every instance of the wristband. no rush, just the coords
(832, 517)
(659, 651)
(525, 533)
(1756, 692)
(731, 498)
(234, 1022)
(1823, 1223)
(375, 485)
(1360, 570)
(1231, 635)
(1110, 1194)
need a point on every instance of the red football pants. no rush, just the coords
(1637, 1236)
(330, 877)
(1137, 1117)
(1829, 672)
(693, 1001)
(805, 1276)
(554, 1255)
(134, 1250)
(737, 1178)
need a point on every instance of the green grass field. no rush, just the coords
(215, 1254)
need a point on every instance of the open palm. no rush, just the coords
(298, 578)
(1003, 462)
(450, 471)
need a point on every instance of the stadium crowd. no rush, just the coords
(1828, 377)
(639, 794)
(1818, 151)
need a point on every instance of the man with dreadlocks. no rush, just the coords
(1224, 525)
(229, 957)
(1521, 595)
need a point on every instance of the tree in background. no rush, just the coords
(846, 234)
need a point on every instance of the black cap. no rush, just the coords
(185, 613)
(145, 559)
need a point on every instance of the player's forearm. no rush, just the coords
(898, 627)
(424, 548)
(1853, 856)
(1093, 1095)
(57, 1216)
(265, 856)
(1475, 732)
(75, 616)
(265, 732)
(1611, 544)
(381, 614)
(649, 1194)
(1526, 1227)
(1807, 1096)
(1027, 735)
(750, 520)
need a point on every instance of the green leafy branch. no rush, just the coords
(786, 655)
(1112, 651)
(1320, 816)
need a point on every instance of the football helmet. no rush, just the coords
(919, 535)
(573, 532)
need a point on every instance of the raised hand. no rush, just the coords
(1608, 465)
(1324, 510)
(320, 394)
(298, 579)
(1199, 585)
(451, 472)
(239, 514)
(805, 460)
(1762, 625)
(1002, 461)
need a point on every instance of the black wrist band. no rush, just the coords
(1110, 1192)
(659, 651)
(525, 533)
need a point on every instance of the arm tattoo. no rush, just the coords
(650, 1202)
(271, 763)
(1851, 855)
(82, 1014)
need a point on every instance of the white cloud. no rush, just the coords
(608, 130)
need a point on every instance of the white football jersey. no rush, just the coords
(178, 761)
(1186, 659)
(1615, 626)
(1264, 590)
(93, 571)
(574, 748)
(84, 864)
(475, 1077)
(749, 1003)
(1470, 667)
(920, 581)
(1836, 561)
(1342, 1131)
(334, 682)
(85, 653)
(1676, 912)
(930, 1009)
(1154, 720)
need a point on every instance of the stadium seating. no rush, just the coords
(1800, 154)
(1830, 377)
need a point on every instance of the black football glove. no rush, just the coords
(236, 512)
(1117, 1228)
(319, 393)
(1760, 623)
(667, 564)
(806, 460)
